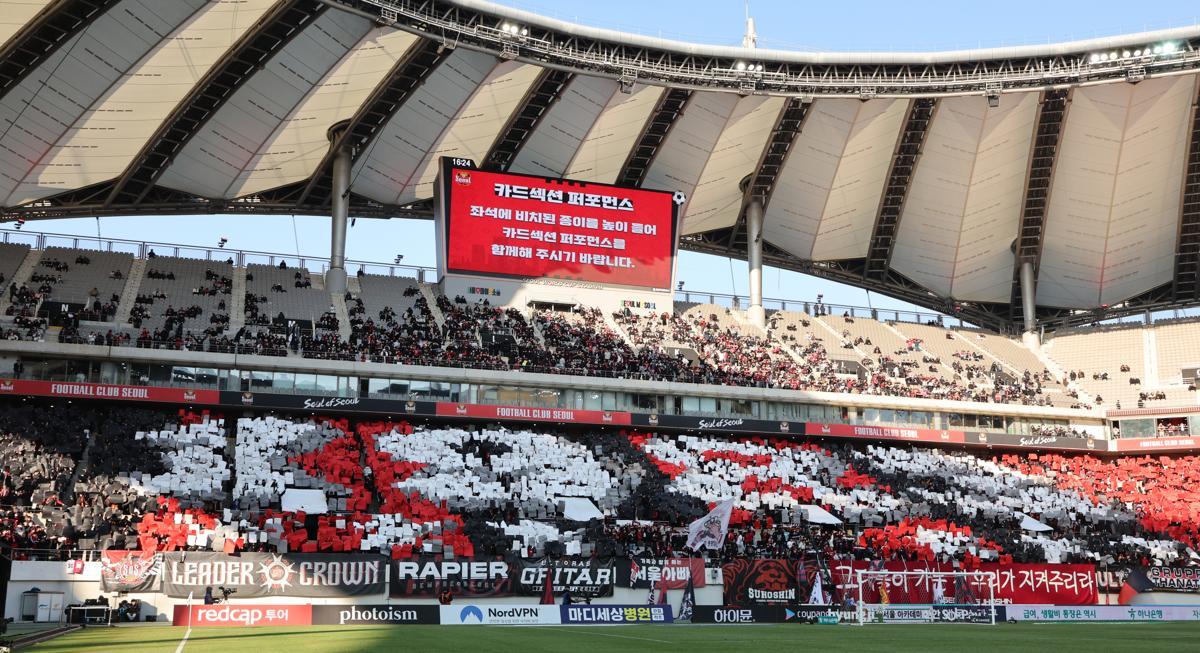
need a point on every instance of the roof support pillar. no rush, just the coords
(754, 256)
(1029, 296)
(335, 277)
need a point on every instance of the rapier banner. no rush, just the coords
(250, 575)
(463, 577)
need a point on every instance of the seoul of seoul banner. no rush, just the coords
(527, 227)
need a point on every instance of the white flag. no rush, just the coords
(817, 597)
(709, 531)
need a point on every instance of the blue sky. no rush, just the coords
(937, 25)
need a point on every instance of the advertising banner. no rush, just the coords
(129, 571)
(762, 582)
(521, 226)
(374, 615)
(525, 413)
(757, 614)
(253, 575)
(107, 392)
(1104, 613)
(718, 424)
(817, 613)
(1016, 583)
(429, 576)
(252, 614)
(279, 401)
(583, 577)
(616, 614)
(1035, 441)
(640, 573)
(500, 615)
(964, 614)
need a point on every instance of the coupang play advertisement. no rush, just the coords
(525, 227)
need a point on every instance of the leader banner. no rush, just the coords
(463, 577)
(253, 575)
(586, 578)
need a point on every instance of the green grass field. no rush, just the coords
(1026, 637)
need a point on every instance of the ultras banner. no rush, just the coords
(639, 573)
(250, 575)
(763, 582)
(1016, 583)
(130, 571)
(1183, 580)
(463, 577)
(582, 577)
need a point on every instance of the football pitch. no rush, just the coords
(1025, 637)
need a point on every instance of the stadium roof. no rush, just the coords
(926, 176)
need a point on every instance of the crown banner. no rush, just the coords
(253, 575)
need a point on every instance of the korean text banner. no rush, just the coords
(319, 575)
(582, 577)
(522, 226)
(462, 577)
(673, 573)
(1015, 583)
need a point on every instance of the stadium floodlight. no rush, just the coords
(741, 66)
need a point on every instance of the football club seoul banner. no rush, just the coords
(252, 575)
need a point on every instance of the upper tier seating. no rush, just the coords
(391, 321)
(283, 290)
(181, 295)
(93, 278)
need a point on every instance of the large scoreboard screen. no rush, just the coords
(522, 226)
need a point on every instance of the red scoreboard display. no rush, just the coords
(522, 226)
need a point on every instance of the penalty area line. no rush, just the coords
(592, 632)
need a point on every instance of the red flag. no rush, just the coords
(548, 590)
